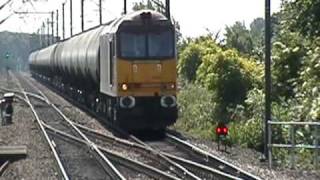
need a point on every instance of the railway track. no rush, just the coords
(176, 158)
(178, 150)
(55, 130)
(73, 160)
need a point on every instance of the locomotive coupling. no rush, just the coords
(127, 102)
(168, 101)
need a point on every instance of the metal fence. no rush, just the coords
(292, 138)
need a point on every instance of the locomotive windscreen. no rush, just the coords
(155, 44)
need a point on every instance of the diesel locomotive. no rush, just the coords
(124, 70)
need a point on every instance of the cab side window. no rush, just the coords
(111, 54)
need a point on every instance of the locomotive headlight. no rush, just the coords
(170, 86)
(168, 101)
(124, 87)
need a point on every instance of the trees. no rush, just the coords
(191, 55)
(238, 37)
(225, 72)
(303, 16)
(257, 37)
(159, 6)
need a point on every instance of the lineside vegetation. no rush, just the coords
(224, 82)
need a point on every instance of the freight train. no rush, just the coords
(124, 70)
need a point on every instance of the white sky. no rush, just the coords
(194, 16)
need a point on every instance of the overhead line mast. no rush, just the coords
(52, 28)
(57, 21)
(63, 25)
(71, 18)
(267, 76)
(100, 12)
(82, 16)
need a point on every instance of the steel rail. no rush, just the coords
(50, 142)
(172, 158)
(207, 171)
(20, 92)
(101, 158)
(4, 166)
(178, 166)
(183, 172)
(136, 165)
(213, 160)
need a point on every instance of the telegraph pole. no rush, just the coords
(63, 30)
(48, 32)
(267, 77)
(82, 16)
(43, 34)
(39, 34)
(57, 25)
(52, 28)
(71, 18)
(168, 9)
(125, 7)
(100, 12)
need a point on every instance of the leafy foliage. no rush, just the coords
(196, 111)
(238, 37)
(230, 76)
(191, 56)
(288, 54)
(233, 77)
(302, 16)
(149, 5)
(257, 36)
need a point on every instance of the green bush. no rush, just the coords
(191, 56)
(308, 93)
(288, 54)
(247, 126)
(230, 77)
(196, 114)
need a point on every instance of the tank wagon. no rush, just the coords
(124, 70)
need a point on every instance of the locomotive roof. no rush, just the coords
(113, 25)
(137, 16)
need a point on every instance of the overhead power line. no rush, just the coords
(5, 19)
(5, 4)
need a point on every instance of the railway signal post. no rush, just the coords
(221, 133)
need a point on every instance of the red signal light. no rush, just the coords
(218, 130)
(222, 130)
(225, 130)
